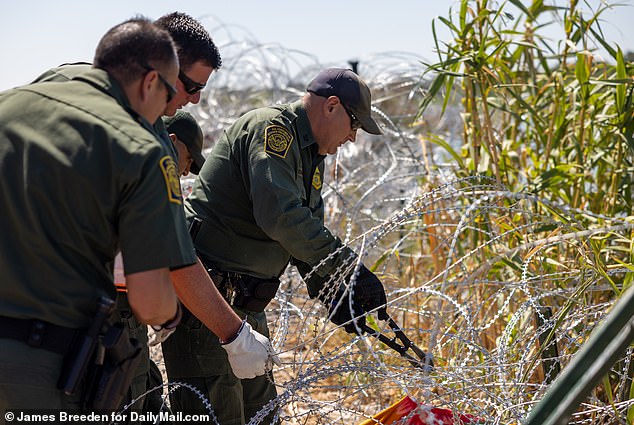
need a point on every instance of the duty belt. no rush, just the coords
(39, 334)
(244, 291)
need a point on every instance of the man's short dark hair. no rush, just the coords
(193, 42)
(127, 49)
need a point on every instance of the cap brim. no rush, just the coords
(199, 160)
(370, 126)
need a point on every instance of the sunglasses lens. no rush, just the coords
(191, 86)
(194, 90)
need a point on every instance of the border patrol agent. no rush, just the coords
(259, 198)
(249, 352)
(198, 58)
(187, 137)
(84, 174)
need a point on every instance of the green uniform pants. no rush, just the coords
(193, 355)
(28, 379)
(147, 375)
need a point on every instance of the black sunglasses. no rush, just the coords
(354, 121)
(171, 90)
(191, 86)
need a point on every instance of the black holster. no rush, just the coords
(253, 294)
(101, 365)
(116, 361)
(244, 291)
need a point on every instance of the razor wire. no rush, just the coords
(500, 293)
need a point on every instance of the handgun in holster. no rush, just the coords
(247, 292)
(116, 361)
(103, 362)
(79, 358)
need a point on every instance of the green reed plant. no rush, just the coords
(541, 116)
(544, 117)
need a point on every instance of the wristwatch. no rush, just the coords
(173, 322)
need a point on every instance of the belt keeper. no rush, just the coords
(36, 333)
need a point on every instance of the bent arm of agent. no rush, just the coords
(156, 306)
(249, 352)
(198, 293)
(293, 215)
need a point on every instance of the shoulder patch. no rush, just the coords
(277, 140)
(173, 184)
(317, 179)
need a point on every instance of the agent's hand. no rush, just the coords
(155, 337)
(368, 291)
(343, 309)
(250, 353)
(367, 294)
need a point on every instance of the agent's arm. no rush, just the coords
(151, 296)
(249, 352)
(198, 293)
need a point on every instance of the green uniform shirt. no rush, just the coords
(68, 71)
(65, 72)
(82, 177)
(259, 196)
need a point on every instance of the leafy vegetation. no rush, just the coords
(547, 119)
(496, 208)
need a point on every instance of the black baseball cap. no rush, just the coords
(351, 90)
(189, 132)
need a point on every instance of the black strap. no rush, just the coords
(38, 334)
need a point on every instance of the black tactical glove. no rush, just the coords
(367, 294)
(340, 312)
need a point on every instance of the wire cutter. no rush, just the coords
(402, 344)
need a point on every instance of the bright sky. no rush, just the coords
(37, 35)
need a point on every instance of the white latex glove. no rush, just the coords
(156, 337)
(250, 353)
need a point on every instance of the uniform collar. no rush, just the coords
(106, 83)
(304, 133)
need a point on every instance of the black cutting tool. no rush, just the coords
(402, 344)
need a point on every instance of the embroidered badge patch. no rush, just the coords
(317, 179)
(170, 172)
(277, 140)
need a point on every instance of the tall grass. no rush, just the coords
(545, 118)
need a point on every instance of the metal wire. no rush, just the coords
(469, 266)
